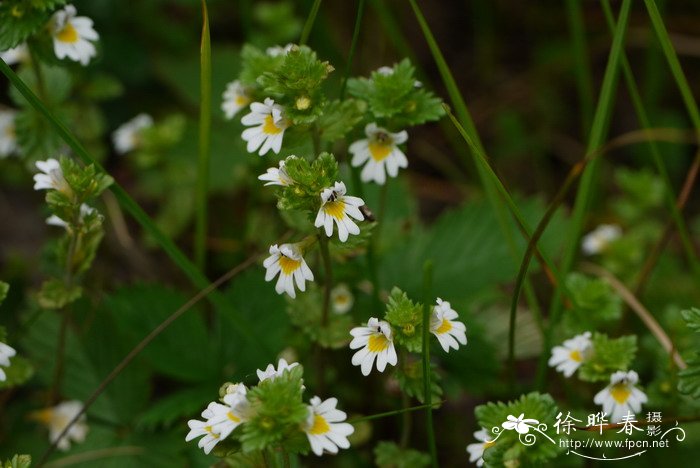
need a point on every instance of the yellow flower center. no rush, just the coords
(377, 343)
(335, 208)
(242, 100)
(379, 150)
(444, 327)
(289, 265)
(342, 299)
(211, 432)
(10, 132)
(233, 417)
(269, 126)
(620, 393)
(489, 444)
(302, 103)
(575, 355)
(68, 34)
(320, 425)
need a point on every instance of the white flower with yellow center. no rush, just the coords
(267, 127)
(15, 55)
(375, 341)
(287, 261)
(6, 352)
(128, 136)
(380, 154)
(338, 208)
(449, 332)
(205, 429)
(54, 220)
(570, 355)
(325, 428)
(621, 396)
(271, 373)
(235, 98)
(277, 176)
(8, 137)
(73, 36)
(597, 241)
(56, 419)
(51, 177)
(342, 299)
(476, 450)
(225, 418)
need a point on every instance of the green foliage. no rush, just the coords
(339, 118)
(594, 302)
(56, 294)
(18, 461)
(643, 191)
(508, 450)
(310, 178)
(390, 455)
(4, 289)
(689, 379)
(406, 319)
(19, 19)
(305, 313)
(607, 356)
(19, 371)
(255, 62)
(410, 377)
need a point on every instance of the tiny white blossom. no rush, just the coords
(225, 418)
(375, 341)
(15, 55)
(56, 419)
(8, 137)
(54, 220)
(271, 373)
(379, 153)
(287, 261)
(443, 324)
(338, 208)
(73, 36)
(476, 450)
(128, 136)
(277, 176)
(341, 299)
(325, 428)
(235, 98)
(276, 51)
(597, 241)
(6, 352)
(51, 177)
(205, 429)
(267, 126)
(621, 396)
(570, 355)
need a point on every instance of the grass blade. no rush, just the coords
(309, 22)
(427, 388)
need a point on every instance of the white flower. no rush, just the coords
(379, 153)
(73, 36)
(376, 341)
(204, 428)
(598, 240)
(225, 418)
(444, 326)
(339, 208)
(276, 51)
(277, 176)
(8, 137)
(325, 427)
(128, 136)
(571, 354)
(271, 373)
(235, 99)
(621, 396)
(15, 55)
(341, 299)
(476, 450)
(52, 177)
(521, 424)
(54, 220)
(287, 261)
(386, 71)
(6, 352)
(58, 417)
(267, 127)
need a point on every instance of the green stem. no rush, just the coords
(328, 280)
(309, 22)
(427, 388)
(202, 188)
(406, 420)
(353, 46)
(391, 413)
(39, 76)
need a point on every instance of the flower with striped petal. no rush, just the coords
(205, 429)
(287, 261)
(375, 341)
(73, 36)
(277, 176)
(267, 126)
(476, 450)
(570, 355)
(449, 332)
(325, 428)
(51, 177)
(271, 373)
(621, 396)
(235, 98)
(380, 154)
(338, 208)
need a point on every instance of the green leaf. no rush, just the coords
(255, 62)
(174, 407)
(692, 318)
(309, 180)
(594, 302)
(19, 19)
(305, 313)
(390, 455)
(55, 294)
(19, 371)
(18, 461)
(339, 118)
(689, 379)
(406, 319)
(4, 289)
(608, 355)
(410, 378)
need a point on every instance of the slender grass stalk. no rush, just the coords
(391, 413)
(427, 388)
(308, 26)
(353, 46)
(202, 188)
(582, 69)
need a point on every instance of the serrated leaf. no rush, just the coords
(608, 355)
(170, 408)
(55, 294)
(19, 19)
(410, 378)
(339, 118)
(18, 461)
(18, 372)
(406, 319)
(689, 378)
(594, 302)
(692, 318)
(305, 313)
(390, 455)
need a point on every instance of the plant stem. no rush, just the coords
(38, 75)
(391, 413)
(353, 46)
(328, 280)
(406, 420)
(202, 187)
(427, 388)
(309, 22)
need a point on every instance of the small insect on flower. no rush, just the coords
(15, 55)
(6, 352)
(51, 177)
(235, 98)
(621, 396)
(287, 261)
(56, 419)
(375, 341)
(277, 176)
(325, 428)
(570, 355)
(339, 208)
(443, 324)
(271, 373)
(380, 154)
(8, 136)
(342, 299)
(267, 127)
(476, 450)
(128, 136)
(73, 36)
(54, 220)
(596, 241)
(205, 429)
